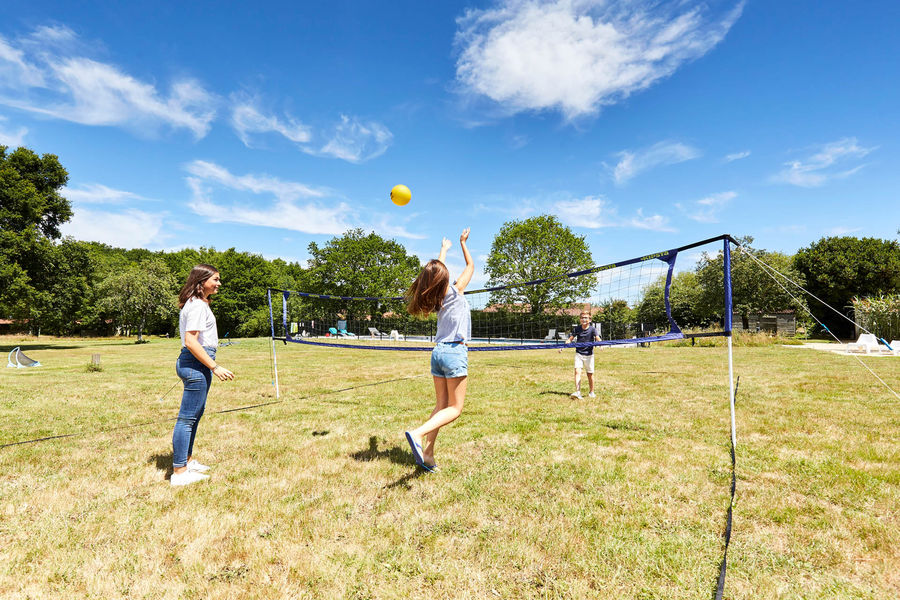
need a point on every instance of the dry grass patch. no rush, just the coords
(538, 496)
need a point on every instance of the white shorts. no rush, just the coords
(585, 362)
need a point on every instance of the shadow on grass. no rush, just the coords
(26, 347)
(395, 454)
(554, 392)
(35, 346)
(163, 462)
(404, 481)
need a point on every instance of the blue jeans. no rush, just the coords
(197, 379)
(449, 360)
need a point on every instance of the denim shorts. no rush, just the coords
(450, 359)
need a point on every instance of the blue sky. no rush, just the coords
(641, 125)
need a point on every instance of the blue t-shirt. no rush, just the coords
(454, 320)
(584, 335)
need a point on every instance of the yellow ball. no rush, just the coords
(400, 195)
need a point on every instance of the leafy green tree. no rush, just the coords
(240, 306)
(31, 212)
(139, 293)
(537, 248)
(70, 287)
(357, 264)
(754, 289)
(684, 298)
(838, 268)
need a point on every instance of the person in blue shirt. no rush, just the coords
(584, 357)
(433, 292)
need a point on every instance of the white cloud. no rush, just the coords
(9, 138)
(839, 231)
(96, 193)
(652, 222)
(576, 56)
(128, 229)
(256, 184)
(707, 209)
(281, 204)
(632, 163)
(247, 119)
(593, 212)
(736, 156)
(354, 141)
(43, 76)
(831, 161)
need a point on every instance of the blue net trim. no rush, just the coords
(649, 339)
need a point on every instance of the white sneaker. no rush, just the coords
(187, 478)
(576, 394)
(197, 467)
(591, 395)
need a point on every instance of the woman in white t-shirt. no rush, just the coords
(195, 366)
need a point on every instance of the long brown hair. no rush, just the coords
(426, 294)
(193, 287)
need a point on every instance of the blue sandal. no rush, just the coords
(416, 450)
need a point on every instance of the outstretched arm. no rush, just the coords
(445, 245)
(463, 280)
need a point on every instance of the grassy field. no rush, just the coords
(538, 496)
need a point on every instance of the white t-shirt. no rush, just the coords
(197, 316)
(454, 320)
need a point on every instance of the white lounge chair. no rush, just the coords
(866, 344)
(396, 335)
(17, 359)
(373, 331)
(894, 349)
(551, 335)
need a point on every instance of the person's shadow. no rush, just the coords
(163, 463)
(396, 454)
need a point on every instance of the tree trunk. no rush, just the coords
(141, 328)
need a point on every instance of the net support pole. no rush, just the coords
(729, 309)
(272, 337)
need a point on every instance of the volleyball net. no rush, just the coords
(629, 302)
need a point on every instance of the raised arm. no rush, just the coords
(466, 276)
(445, 245)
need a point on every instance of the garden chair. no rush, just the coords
(866, 344)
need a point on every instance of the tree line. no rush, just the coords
(61, 286)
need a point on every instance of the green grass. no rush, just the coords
(539, 495)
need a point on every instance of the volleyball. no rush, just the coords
(400, 195)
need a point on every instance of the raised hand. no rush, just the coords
(464, 235)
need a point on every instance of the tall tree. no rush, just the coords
(139, 293)
(754, 289)
(684, 298)
(240, 306)
(838, 268)
(538, 248)
(31, 212)
(360, 264)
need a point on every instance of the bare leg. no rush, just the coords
(454, 396)
(591, 381)
(577, 380)
(441, 394)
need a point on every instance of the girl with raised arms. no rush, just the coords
(433, 292)
(195, 366)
